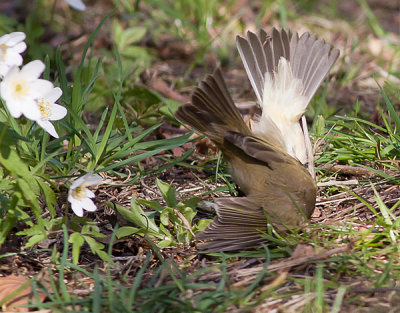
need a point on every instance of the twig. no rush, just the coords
(298, 261)
(350, 170)
(249, 273)
(149, 188)
(372, 290)
(185, 222)
(338, 183)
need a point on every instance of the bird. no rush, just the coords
(271, 162)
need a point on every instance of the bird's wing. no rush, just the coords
(237, 226)
(259, 149)
(212, 110)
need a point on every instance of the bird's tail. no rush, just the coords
(285, 71)
(212, 110)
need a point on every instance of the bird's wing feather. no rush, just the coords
(212, 110)
(259, 149)
(237, 226)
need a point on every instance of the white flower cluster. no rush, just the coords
(23, 92)
(79, 195)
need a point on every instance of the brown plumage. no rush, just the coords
(278, 188)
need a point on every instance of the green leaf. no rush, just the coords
(17, 167)
(126, 231)
(92, 230)
(49, 196)
(152, 204)
(8, 137)
(125, 37)
(169, 108)
(201, 225)
(130, 230)
(392, 111)
(35, 239)
(97, 248)
(153, 148)
(319, 126)
(164, 216)
(188, 213)
(139, 54)
(166, 232)
(136, 215)
(192, 202)
(6, 225)
(77, 241)
(165, 243)
(168, 193)
(107, 132)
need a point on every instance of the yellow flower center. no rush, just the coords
(3, 48)
(20, 87)
(45, 108)
(79, 192)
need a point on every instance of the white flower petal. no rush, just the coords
(90, 194)
(4, 68)
(11, 45)
(20, 91)
(14, 110)
(92, 179)
(70, 198)
(4, 38)
(58, 112)
(13, 58)
(47, 126)
(20, 47)
(83, 194)
(33, 69)
(15, 38)
(40, 87)
(11, 73)
(76, 4)
(88, 205)
(77, 182)
(76, 206)
(53, 94)
(30, 109)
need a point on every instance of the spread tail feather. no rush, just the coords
(285, 71)
(310, 58)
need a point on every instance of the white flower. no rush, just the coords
(79, 195)
(50, 111)
(21, 88)
(76, 4)
(11, 47)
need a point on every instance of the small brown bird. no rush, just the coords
(268, 162)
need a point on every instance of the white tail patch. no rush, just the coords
(283, 105)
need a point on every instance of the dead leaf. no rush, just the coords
(317, 212)
(178, 151)
(305, 250)
(11, 283)
(162, 87)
